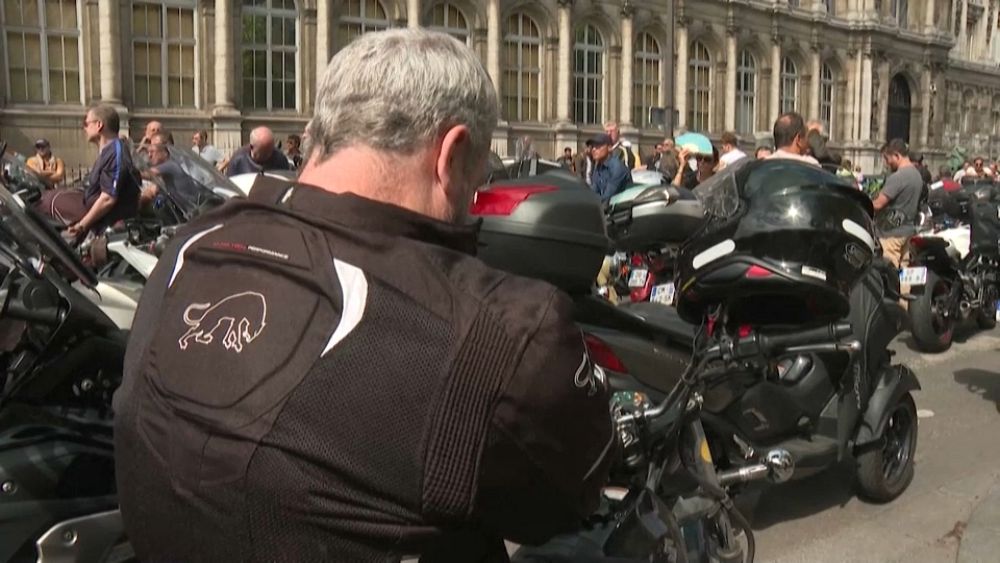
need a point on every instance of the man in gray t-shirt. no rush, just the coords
(898, 203)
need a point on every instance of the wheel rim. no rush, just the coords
(940, 321)
(899, 440)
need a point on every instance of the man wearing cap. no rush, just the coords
(610, 175)
(48, 167)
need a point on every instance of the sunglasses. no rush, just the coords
(704, 158)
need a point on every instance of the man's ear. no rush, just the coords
(451, 156)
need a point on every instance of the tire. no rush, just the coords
(884, 473)
(986, 316)
(932, 332)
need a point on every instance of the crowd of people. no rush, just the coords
(125, 178)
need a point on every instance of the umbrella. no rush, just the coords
(695, 143)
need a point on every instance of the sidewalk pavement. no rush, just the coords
(981, 539)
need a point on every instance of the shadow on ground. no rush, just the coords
(767, 505)
(981, 382)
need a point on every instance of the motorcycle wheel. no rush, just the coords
(884, 473)
(986, 316)
(931, 329)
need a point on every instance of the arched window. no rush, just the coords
(362, 16)
(789, 85)
(746, 93)
(645, 78)
(270, 49)
(447, 18)
(43, 51)
(588, 75)
(699, 87)
(826, 85)
(522, 69)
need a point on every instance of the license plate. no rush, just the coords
(638, 278)
(913, 276)
(663, 294)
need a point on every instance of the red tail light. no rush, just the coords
(641, 294)
(757, 272)
(918, 242)
(602, 354)
(636, 259)
(745, 331)
(504, 200)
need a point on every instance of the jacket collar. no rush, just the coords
(362, 214)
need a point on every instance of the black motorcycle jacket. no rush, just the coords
(320, 377)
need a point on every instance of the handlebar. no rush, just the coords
(759, 344)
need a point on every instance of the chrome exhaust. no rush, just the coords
(777, 466)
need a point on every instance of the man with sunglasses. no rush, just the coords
(112, 192)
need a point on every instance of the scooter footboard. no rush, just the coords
(894, 382)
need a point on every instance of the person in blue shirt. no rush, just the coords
(610, 175)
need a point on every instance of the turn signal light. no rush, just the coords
(757, 272)
(602, 354)
(503, 200)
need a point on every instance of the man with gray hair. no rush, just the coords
(259, 156)
(332, 376)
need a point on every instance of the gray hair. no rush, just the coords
(400, 89)
(259, 134)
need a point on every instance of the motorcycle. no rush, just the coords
(816, 408)
(62, 360)
(954, 270)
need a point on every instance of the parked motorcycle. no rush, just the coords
(954, 270)
(62, 360)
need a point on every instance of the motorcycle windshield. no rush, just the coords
(29, 238)
(200, 187)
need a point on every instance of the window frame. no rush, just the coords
(694, 90)
(368, 23)
(463, 34)
(746, 99)
(519, 39)
(43, 33)
(589, 76)
(164, 44)
(827, 97)
(641, 83)
(787, 78)
(270, 12)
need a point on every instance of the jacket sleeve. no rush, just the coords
(550, 441)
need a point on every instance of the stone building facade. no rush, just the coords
(922, 69)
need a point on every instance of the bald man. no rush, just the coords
(152, 128)
(259, 156)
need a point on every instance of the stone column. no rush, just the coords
(925, 104)
(865, 132)
(775, 79)
(963, 23)
(814, 84)
(730, 101)
(855, 85)
(324, 17)
(412, 13)
(110, 51)
(882, 68)
(565, 62)
(984, 21)
(628, 60)
(225, 117)
(681, 76)
(501, 141)
(493, 42)
(930, 10)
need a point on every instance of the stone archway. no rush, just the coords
(899, 109)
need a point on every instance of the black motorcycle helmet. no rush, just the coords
(782, 244)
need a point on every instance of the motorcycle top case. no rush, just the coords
(548, 227)
(650, 217)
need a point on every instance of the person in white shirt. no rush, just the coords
(200, 147)
(730, 150)
(790, 139)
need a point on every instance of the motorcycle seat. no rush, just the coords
(663, 318)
